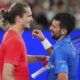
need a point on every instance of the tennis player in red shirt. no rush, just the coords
(13, 58)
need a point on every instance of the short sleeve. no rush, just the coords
(61, 65)
(12, 52)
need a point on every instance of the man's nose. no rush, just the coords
(31, 19)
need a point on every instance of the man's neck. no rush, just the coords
(18, 29)
(61, 38)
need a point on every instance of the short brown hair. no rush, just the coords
(17, 9)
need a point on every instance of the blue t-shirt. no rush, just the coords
(64, 59)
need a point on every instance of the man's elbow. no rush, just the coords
(8, 72)
(62, 76)
(4, 76)
(62, 79)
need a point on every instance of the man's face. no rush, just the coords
(55, 29)
(27, 18)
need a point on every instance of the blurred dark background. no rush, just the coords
(44, 10)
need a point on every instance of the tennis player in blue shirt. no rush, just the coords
(63, 56)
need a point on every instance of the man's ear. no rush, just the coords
(64, 31)
(17, 19)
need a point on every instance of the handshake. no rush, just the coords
(45, 61)
(45, 67)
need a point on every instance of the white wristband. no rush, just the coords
(46, 44)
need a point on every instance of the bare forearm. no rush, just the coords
(46, 44)
(8, 72)
(62, 76)
(32, 59)
(49, 50)
(8, 77)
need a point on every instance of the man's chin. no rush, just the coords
(55, 38)
(27, 28)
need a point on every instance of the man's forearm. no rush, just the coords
(49, 50)
(62, 76)
(35, 58)
(8, 72)
(8, 77)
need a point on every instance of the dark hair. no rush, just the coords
(17, 9)
(67, 21)
(60, 3)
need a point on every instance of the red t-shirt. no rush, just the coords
(13, 51)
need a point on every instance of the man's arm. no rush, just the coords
(46, 44)
(49, 50)
(61, 69)
(8, 71)
(32, 59)
(62, 76)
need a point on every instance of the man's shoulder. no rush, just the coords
(11, 33)
(10, 36)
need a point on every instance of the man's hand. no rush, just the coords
(32, 58)
(38, 33)
(45, 61)
(46, 44)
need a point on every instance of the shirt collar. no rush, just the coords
(65, 39)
